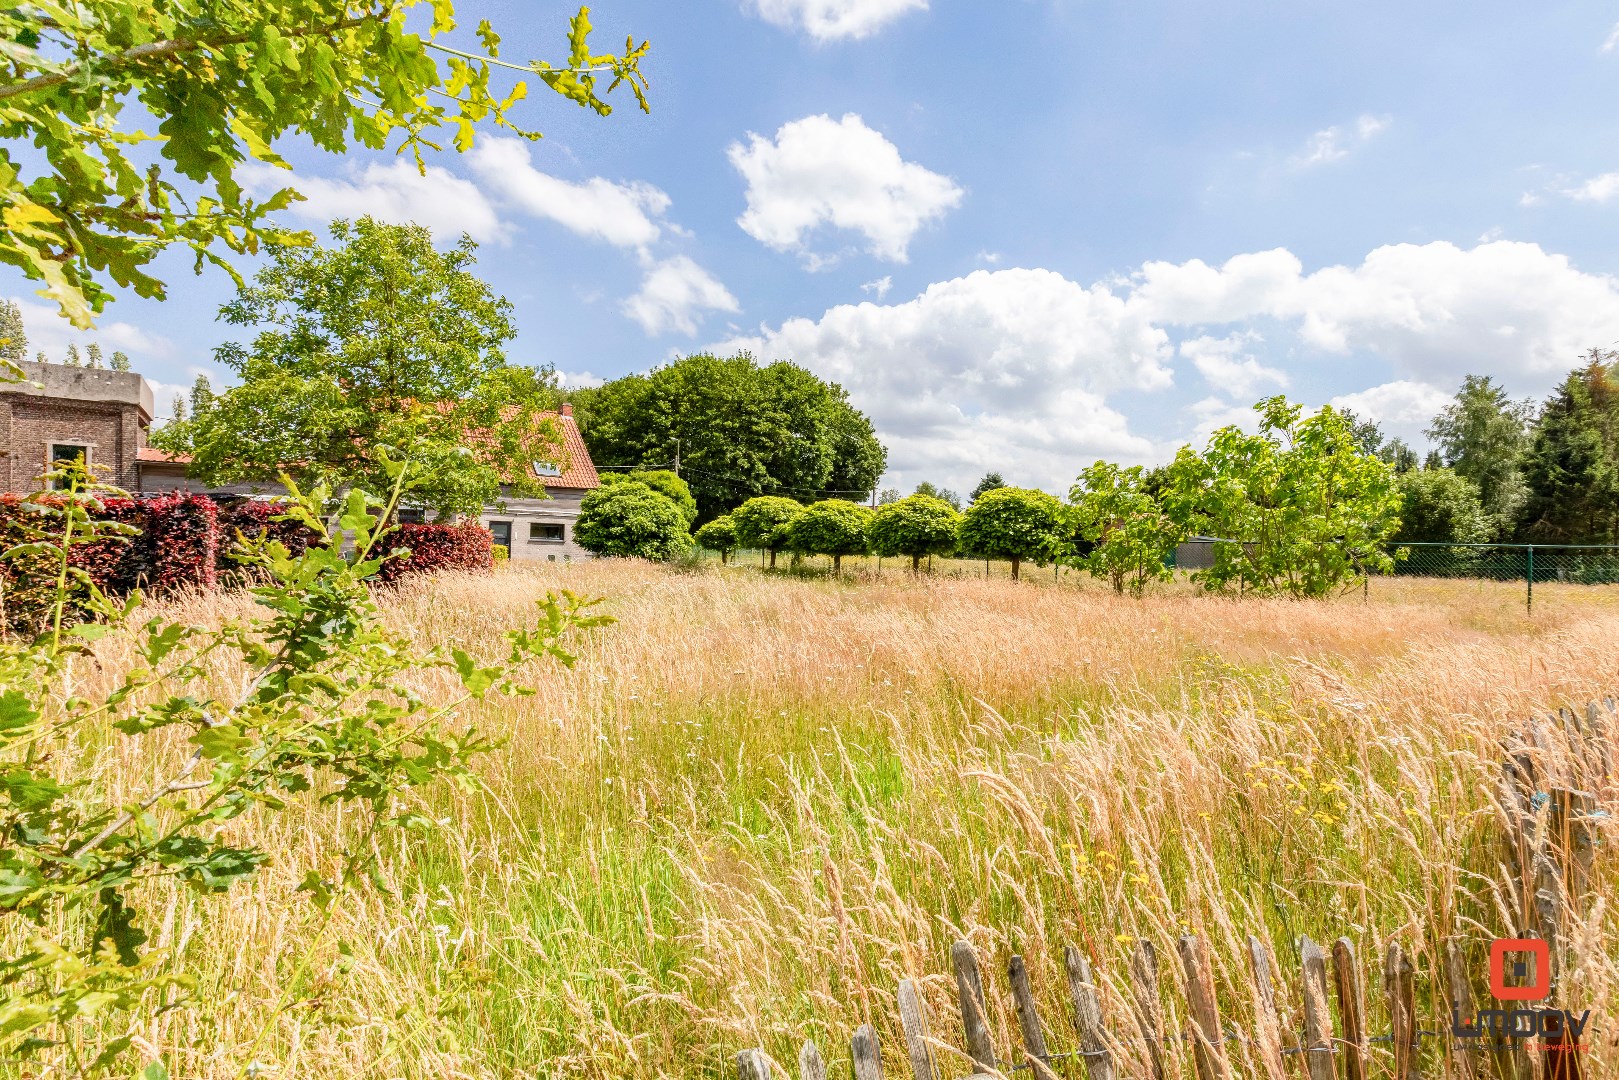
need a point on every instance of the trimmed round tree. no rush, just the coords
(1013, 524)
(665, 483)
(760, 523)
(631, 521)
(718, 535)
(832, 527)
(916, 526)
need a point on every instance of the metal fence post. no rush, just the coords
(1530, 550)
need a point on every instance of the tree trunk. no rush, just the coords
(772, 558)
(1015, 563)
(837, 565)
(916, 563)
(724, 557)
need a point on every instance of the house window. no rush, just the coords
(409, 515)
(541, 533)
(63, 453)
(546, 468)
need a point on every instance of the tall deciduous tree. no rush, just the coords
(1306, 509)
(740, 430)
(1016, 524)
(917, 526)
(1482, 435)
(1438, 506)
(13, 337)
(1572, 465)
(381, 345)
(219, 84)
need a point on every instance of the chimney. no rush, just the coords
(567, 409)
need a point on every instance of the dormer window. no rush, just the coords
(546, 468)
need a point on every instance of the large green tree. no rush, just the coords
(1482, 435)
(379, 346)
(208, 86)
(1441, 507)
(1308, 511)
(1572, 465)
(740, 429)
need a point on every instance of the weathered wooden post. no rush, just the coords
(1468, 1064)
(1028, 1016)
(1149, 1010)
(753, 1065)
(1209, 1037)
(913, 1020)
(810, 1064)
(1399, 987)
(1267, 1017)
(867, 1056)
(1088, 1015)
(1351, 1007)
(974, 1013)
(1318, 1046)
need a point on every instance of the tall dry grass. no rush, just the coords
(758, 802)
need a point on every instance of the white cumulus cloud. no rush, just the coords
(1612, 42)
(674, 296)
(1597, 189)
(831, 20)
(1227, 365)
(1012, 366)
(397, 192)
(1402, 408)
(626, 215)
(1338, 142)
(839, 174)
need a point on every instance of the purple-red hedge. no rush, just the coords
(439, 547)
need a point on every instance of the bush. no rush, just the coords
(718, 535)
(665, 483)
(256, 519)
(433, 548)
(761, 523)
(916, 526)
(831, 527)
(630, 520)
(1014, 524)
(1439, 506)
(164, 544)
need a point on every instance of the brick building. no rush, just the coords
(103, 415)
(106, 415)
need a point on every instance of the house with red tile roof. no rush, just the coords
(105, 416)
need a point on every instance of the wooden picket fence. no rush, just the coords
(1557, 773)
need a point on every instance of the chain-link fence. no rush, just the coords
(1528, 563)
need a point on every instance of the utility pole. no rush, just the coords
(677, 457)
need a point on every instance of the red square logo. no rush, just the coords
(1540, 989)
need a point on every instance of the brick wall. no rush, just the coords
(29, 425)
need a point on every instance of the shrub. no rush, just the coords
(256, 519)
(916, 526)
(718, 535)
(761, 523)
(665, 483)
(631, 520)
(1441, 506)
(433, 548)
(832, 527)
(1014, 524)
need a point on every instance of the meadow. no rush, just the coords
(757, 802)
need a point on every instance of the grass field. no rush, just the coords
(758, 802)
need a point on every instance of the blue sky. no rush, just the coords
(1031, 233)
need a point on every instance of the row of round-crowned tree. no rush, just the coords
(1015, 524)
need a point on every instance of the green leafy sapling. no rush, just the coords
(328, 710)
